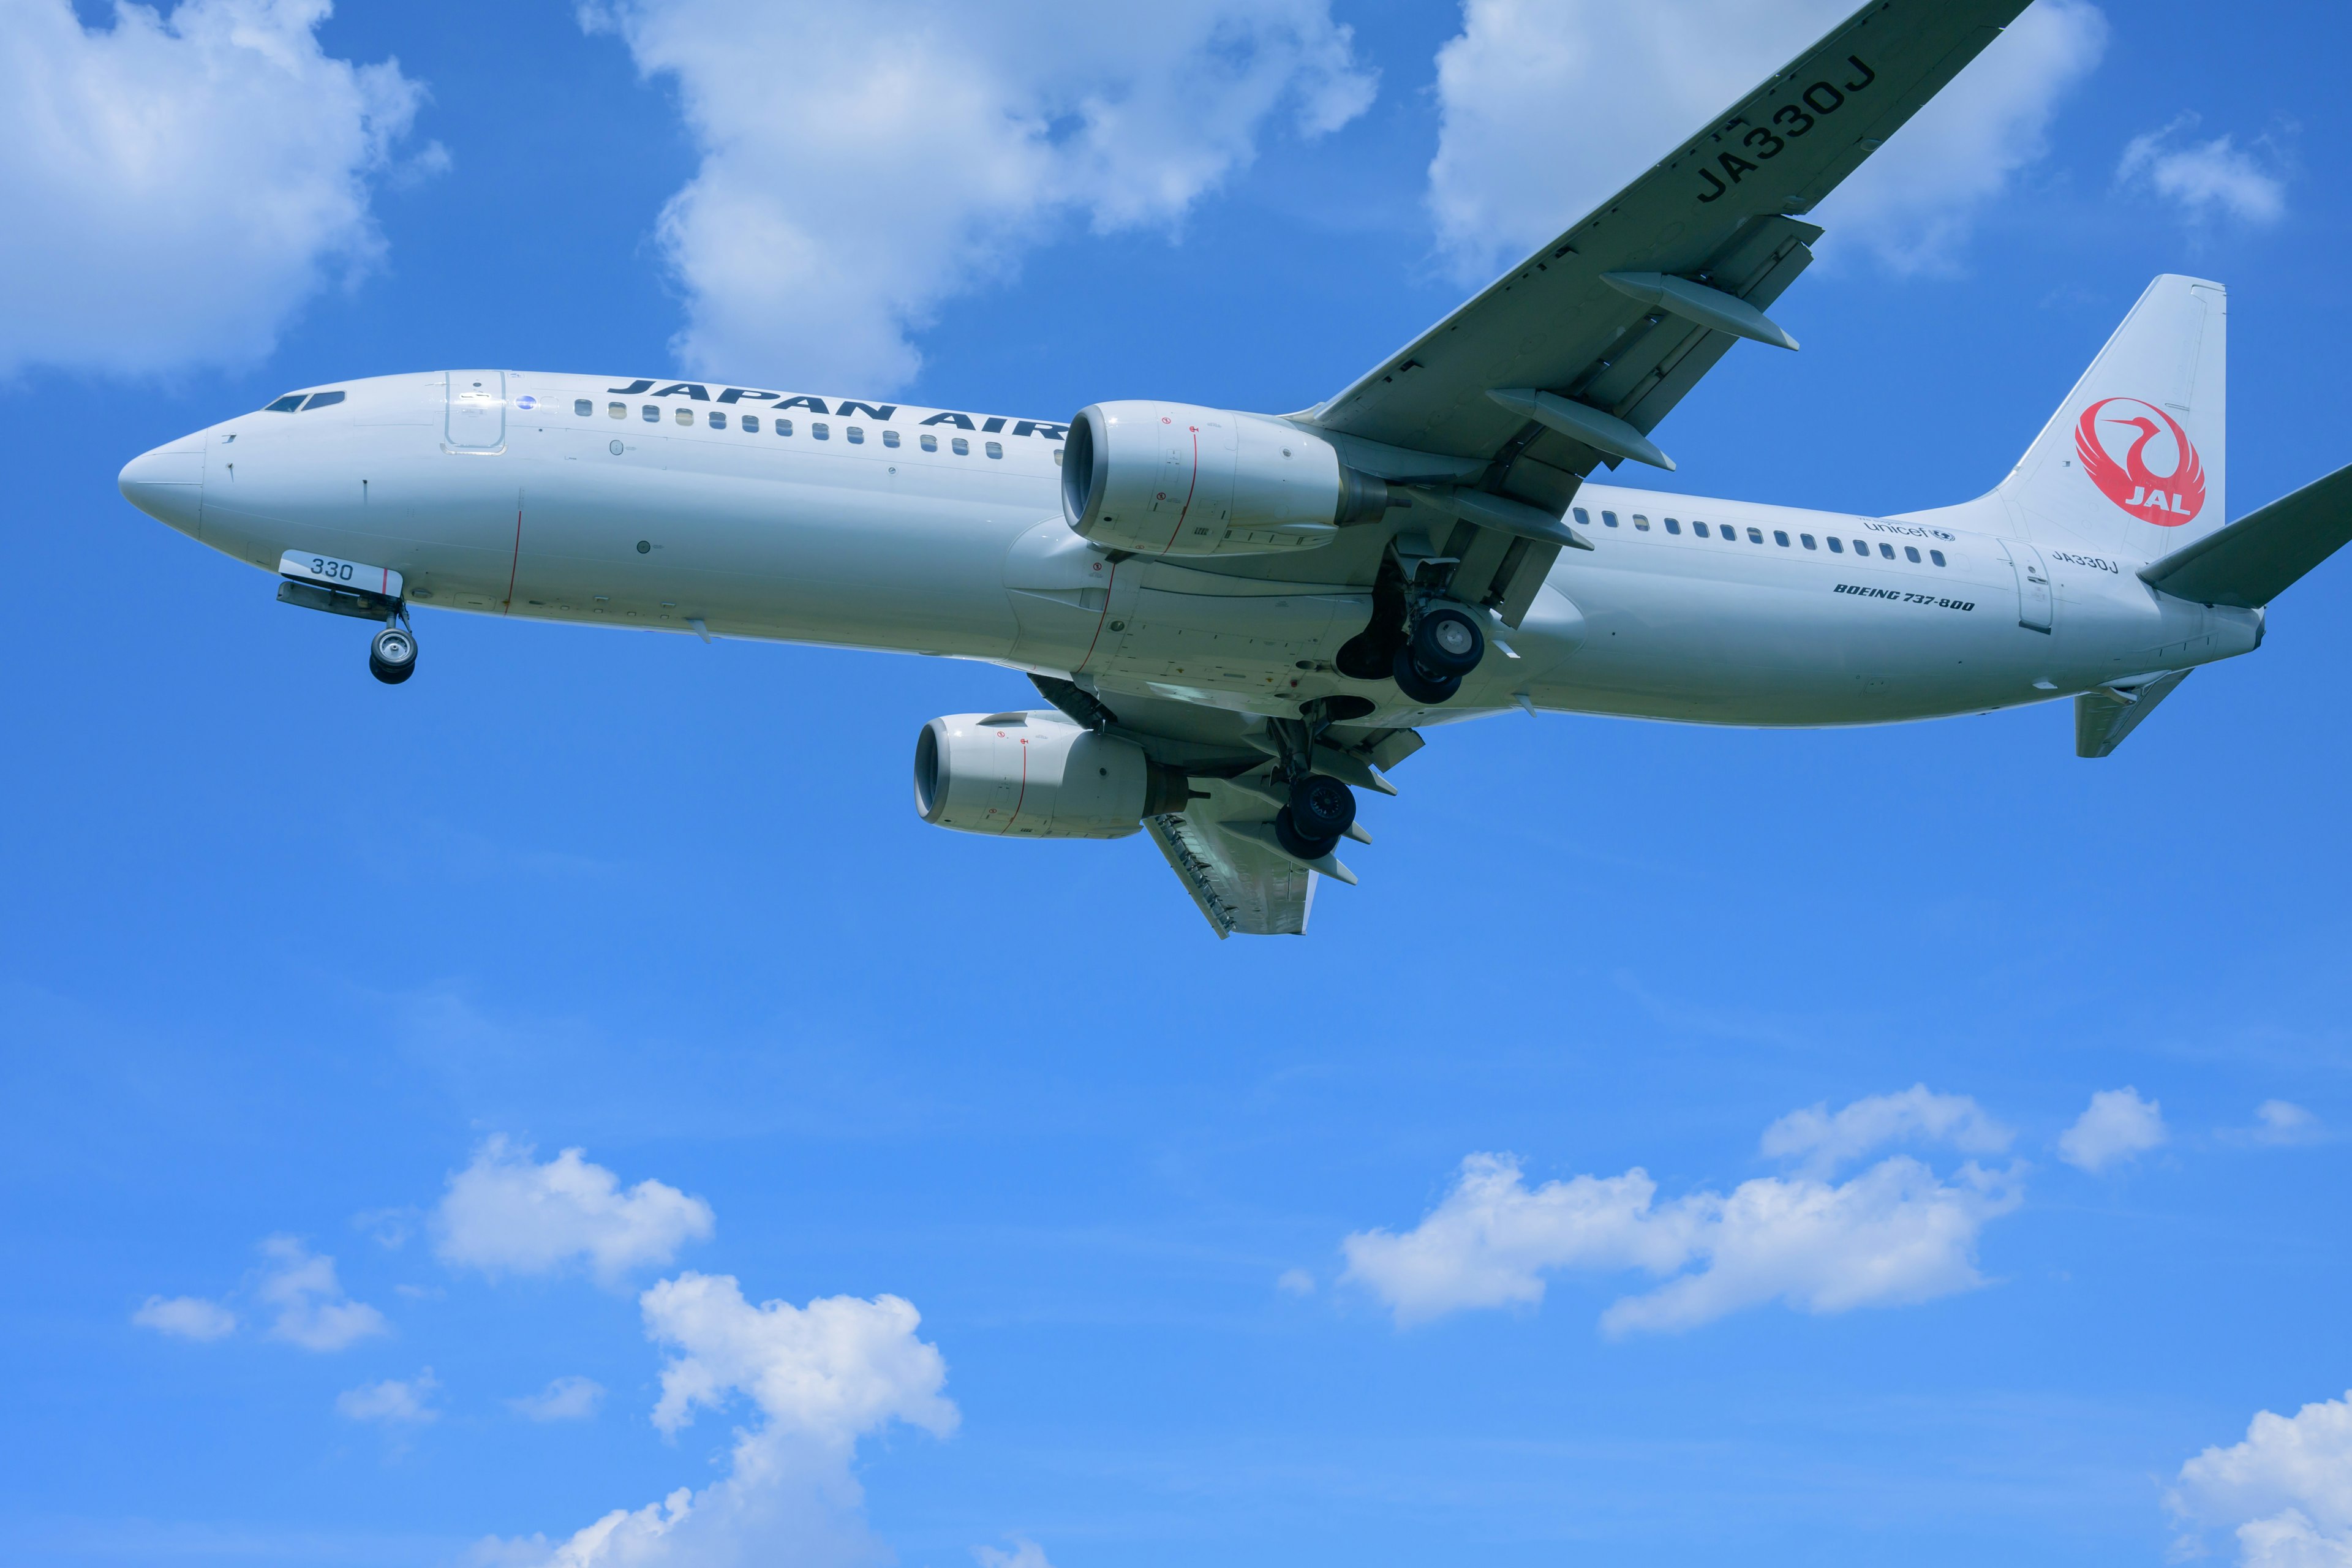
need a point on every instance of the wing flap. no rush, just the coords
(1240, 887)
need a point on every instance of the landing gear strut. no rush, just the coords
(392, 656)
(1321, 807)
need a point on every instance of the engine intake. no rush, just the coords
(1170, 478)
(1037, 775)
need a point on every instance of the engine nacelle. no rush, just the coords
(1037, 775)
(1169, 479)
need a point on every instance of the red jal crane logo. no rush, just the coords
(2166, 500)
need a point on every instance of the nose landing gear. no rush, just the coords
(392, 656)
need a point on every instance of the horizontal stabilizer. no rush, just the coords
(2103, 718)
(2264, 552)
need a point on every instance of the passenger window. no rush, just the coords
(584, 407)
(1640, 523)
(751, 423)
(684, 416)
(1699, 529)
(1058, 457)
(856, 435)
(820, 430)
(1936, 556)
(1672, 527)
(653, 415)
(961, 447)
(717, 420)
(286, 405)
(931, 442)
(323, 400)
(889, 437)
(617, 410)
(1780, 537)
(1755, 536)
(784, 427)
(1807, 541)
(1837, 545)
(995, 448)
(1862, 547)
(1886, 550)
(1609, 518)
(1584, 516)
(1911, 553)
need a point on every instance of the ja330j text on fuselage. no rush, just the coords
(1239, 621)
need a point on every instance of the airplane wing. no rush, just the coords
(1573, 358)
(1238, 884)
(1221, 844)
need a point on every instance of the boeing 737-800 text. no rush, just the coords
(1239, 620)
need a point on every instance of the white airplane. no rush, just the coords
(1239, 619)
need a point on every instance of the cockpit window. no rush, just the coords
(323, 400)
(286, 405)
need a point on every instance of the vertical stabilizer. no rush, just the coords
(2133, 462)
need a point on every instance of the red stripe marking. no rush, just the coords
(1025, 788)
(1188, 494)
(515, 564)
(1108, 584)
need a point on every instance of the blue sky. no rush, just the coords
(292, 955)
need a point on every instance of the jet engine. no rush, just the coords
(1169, 479)
(1037, 775)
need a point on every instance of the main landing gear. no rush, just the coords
(392, 656)
(1444, 647)
(1321, 808)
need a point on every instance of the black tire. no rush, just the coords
(1422, 689)
(1321, 807)
(1290, 838)
(1447, 642)
(392, 656)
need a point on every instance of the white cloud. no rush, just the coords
(1826, 1142)
(503, 1212)
(2117, 1125)
(2285, 1123)
(1548, 107)
(311, 1309)
(1895, 1233)
(819, 1377)
(393, 1403)
(2286, 1491)
(1295, 1282)
(861, 165)
(2204, 178)
(177, 189)
(186, 1317)
(571, 1398)
(1026, 1554)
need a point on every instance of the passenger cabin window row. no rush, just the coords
(305, 401)
(1730, 534)
(819, 430)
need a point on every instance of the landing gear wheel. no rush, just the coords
(1422, 689)
(1447, 642)
(1321, 807)
(392, 658)
(1286, 834)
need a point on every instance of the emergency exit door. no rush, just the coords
(2035, 602)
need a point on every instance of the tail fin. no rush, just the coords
(2134, 460)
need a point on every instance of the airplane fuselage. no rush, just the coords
(696, 507)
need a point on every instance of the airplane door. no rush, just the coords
(477, 410)
(2035, 603)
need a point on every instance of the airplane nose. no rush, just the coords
(168, 483)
